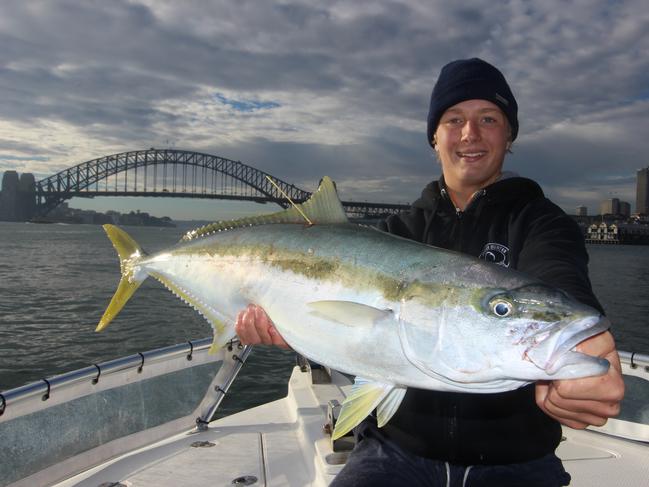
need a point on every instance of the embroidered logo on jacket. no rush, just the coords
(496, 253)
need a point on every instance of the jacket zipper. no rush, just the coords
(476, 196)
(452, 424)
(460, 213)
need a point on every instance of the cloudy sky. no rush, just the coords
(300, 88)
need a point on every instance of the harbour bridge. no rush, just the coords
(182, 174)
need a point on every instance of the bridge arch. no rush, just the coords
(80, 179)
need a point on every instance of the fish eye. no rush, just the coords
(502, 308)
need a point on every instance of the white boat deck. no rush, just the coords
(282, 444)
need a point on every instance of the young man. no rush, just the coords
(441, 438)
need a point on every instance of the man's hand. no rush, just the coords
(578, 403)
(254, 327)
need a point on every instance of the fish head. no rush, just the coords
(499, 339)
(544, 325)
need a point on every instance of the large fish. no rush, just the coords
(393, 312)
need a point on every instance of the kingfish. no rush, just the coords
(393, 312)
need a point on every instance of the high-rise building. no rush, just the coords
(625, 209)
(9, 196)
(18, 197)
(642, 192)
(582, 211)
(610, 207)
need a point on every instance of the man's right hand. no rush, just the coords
(254, 327)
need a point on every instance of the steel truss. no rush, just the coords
(178, 173)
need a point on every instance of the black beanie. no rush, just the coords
(471, 79)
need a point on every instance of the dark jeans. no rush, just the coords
(378, 462)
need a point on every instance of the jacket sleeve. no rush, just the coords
(409, 224)
(554, 251)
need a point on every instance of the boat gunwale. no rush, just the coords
(95, 372)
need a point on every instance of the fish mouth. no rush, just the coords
(557, 350)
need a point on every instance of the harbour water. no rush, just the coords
(56, 280)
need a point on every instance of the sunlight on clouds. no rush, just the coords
(64, 145)
(298, 117)
(593, 131)
(612, 125)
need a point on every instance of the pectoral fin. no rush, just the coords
(349, 312)
(363, 399)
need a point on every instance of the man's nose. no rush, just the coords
(470, 131)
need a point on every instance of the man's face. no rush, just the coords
(471, 141)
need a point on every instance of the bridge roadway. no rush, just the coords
(181, 174)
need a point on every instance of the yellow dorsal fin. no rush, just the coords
(323, 207)
(289, 199)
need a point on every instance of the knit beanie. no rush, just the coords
(470, 79)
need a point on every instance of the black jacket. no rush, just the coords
(510, 223)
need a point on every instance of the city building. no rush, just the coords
(9, 196)
(615, 207)
(642, 192)
(602, 233)
(17, 197)
(582, 211)
(614, 233)
(610, 207)
(625, 209)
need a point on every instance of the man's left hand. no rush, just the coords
(578, 403)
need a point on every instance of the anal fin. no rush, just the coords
(222, 332)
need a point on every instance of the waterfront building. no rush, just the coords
(617, 233)
(9, 196)
(18, 197)
(642, 192)
(582, 211)
(26, 197)
(602, 234)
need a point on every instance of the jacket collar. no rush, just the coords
(508, 187)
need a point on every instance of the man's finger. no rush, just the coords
(277, 338)
(262, 325)
(247, 331)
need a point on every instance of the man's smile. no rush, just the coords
(471, 154)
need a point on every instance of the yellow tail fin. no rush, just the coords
(130, 254)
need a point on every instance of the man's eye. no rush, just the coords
(489, 120)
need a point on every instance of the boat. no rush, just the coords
(147, 420)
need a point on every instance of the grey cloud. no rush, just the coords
(396, 152)
(105, 68)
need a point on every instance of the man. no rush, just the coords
(442, 438)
